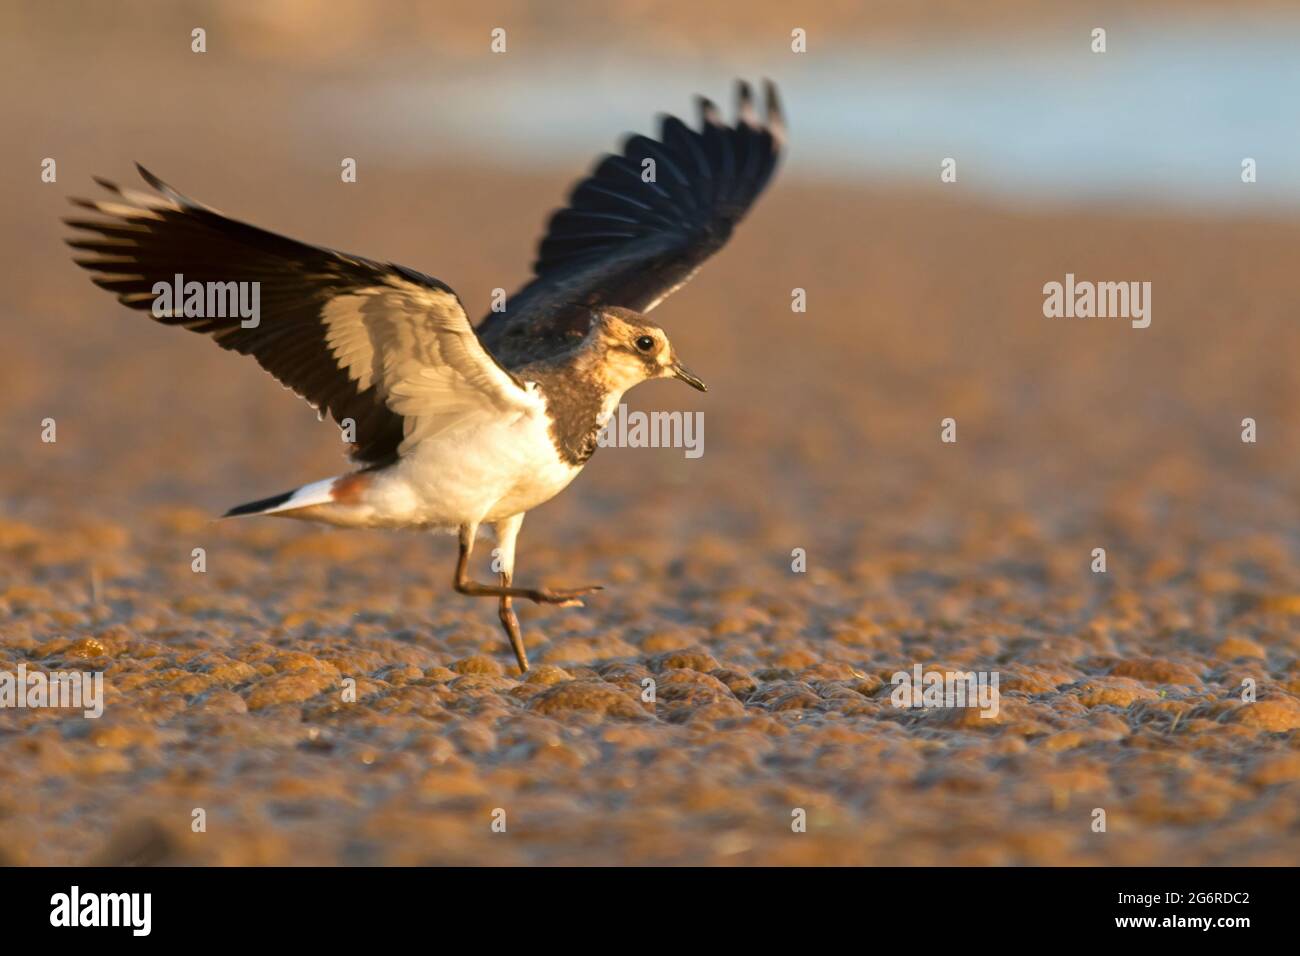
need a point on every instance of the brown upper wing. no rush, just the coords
(378, 344)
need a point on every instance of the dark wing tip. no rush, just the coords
(151, 179)
(775, 116)
(745, 103)
(709, 114)
(185, 202)
(774, 120)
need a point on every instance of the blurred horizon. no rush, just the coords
(1030, 114)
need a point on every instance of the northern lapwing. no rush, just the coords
(454, 427)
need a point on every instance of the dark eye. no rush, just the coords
(645, 343)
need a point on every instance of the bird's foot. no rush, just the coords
(562, 597)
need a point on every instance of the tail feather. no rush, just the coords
(319, 492)
(258, 507)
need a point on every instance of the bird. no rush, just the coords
(454, 427)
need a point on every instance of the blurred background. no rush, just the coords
(925, 295)
(822, 433)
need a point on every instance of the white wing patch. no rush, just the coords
(415, 344)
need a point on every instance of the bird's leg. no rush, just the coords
(507, 532)
(563, 597)
(511, 623)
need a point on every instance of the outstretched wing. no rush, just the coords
(383, 346)
(640, 226)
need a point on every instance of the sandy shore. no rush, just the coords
(1119, 691)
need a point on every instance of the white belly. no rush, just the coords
(475, 472)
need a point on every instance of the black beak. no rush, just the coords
(681, 372)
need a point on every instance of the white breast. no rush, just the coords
(483, 469)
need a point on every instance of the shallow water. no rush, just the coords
(1167, 113)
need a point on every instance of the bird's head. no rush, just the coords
(632, 349)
